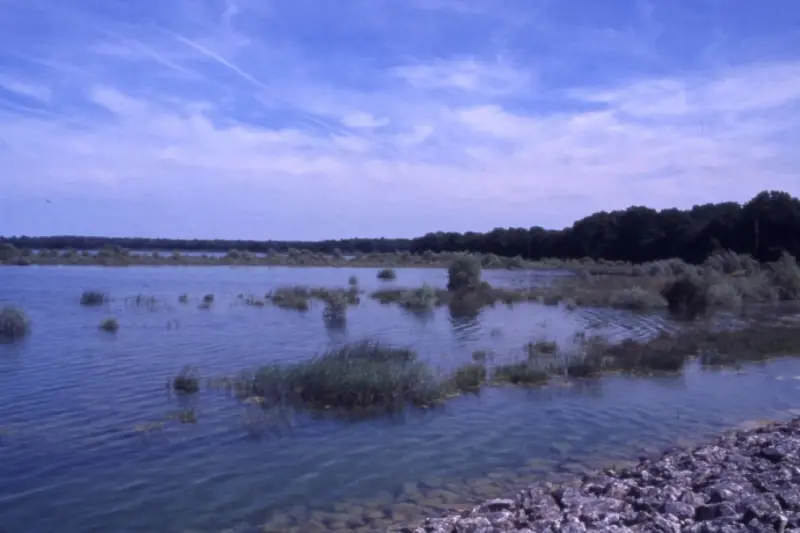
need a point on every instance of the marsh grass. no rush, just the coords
(469, 378)
(364, 375)
(110, 325)
(93, 298)
(520, 373)
(14, 324)
(387, 274)
(186, 382)
(183, 298)
(295, 298)
(151, 303)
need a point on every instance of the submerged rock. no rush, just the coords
(744, 481)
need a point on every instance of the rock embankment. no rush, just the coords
(745, 481)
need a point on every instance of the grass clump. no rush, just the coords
(335, 312)
(520, 373)
(14, 324)
(183, 298)
(353, 281)
(208, 299)
(464, 273)
(364, 375)
(387, 274)
(295, 298)
(110, 325)
(186, 382)
(93, 298)
(535, 349)
(469, 378)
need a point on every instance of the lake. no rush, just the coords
(85, 446)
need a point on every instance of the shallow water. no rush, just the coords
(84, 415)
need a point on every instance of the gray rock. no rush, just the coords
(745, 481)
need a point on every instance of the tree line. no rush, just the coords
(763, 227)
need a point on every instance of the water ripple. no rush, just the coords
(85, 427)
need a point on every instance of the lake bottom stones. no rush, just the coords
(744, 481)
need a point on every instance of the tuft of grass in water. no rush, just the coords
(208, 299)
(335, 313)
(184, 416)
(186, 382)
(464, 273)
(353, 281)
(479, 355)
(141, 300)
(183, 298)
(387, 274)
(521, 373)
(469, 378)
(14, 324)
(535, 349)
(364, 375)
(93, 298)
(295, 298)
(110, 324)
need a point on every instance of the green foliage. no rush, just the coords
(14, 324)
(761, 227)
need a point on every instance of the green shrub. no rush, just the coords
(686, 296)
(14, 324)
(93, 298)
(785, 276)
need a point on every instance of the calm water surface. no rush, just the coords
(80, 409)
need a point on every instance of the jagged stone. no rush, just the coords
(744, 481)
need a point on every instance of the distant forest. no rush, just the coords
(763, 227)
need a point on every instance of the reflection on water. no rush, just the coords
(89, 431)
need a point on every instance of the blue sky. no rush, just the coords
(309, 119)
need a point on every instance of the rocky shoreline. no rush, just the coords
(744, 481)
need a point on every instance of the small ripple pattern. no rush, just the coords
(87, 427)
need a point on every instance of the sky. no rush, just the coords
(314, 119)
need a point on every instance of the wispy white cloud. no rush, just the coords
(26, 89)
(263, 117)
